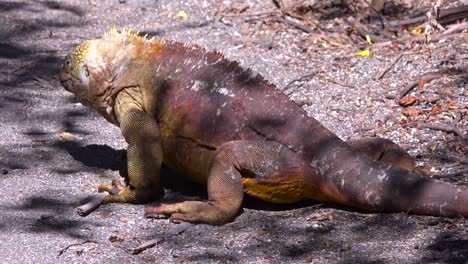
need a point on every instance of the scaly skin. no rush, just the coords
(224, 126)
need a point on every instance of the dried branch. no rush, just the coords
(93, 204)
(426, 78)
(63, 250)
(337, 81)
(450, 174)
(381, 75)
(382, 17)
(296, 25)
(445, 128)
(263, 13)
(360, 28)
(300, 79)
(175, 230)
(446, 16)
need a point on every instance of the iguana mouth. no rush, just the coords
(68, 82)
(65, 79)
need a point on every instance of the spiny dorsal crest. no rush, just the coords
(128, 32)
(129, 36)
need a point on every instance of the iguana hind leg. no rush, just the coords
(256, 166)
(225, 192)
(384, 150)
(144, 155)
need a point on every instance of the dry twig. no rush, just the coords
(381, 75)
(93, 204)
(337, 81)
(304, 78)
(175, 230)
(445, 128)
(446, 16)
(450, 174)
(296, 25)
(63, 250)
(425, 77)
(452, 125)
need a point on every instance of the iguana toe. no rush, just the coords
(192, 211)
(114, 188)
(127, 194)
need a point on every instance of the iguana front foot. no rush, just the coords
(120, 193)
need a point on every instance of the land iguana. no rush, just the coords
(229, 128)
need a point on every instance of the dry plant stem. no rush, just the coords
(96, 201)
(175, 230)
(300, 79)
(75, 244)
(452, 32)
(456, 28)
(384, 19)
(452, 125)
(362, 32)
(148, 244)
(296, 25)
(446, 16)
(264, 13)
(433, 141)
(381, 75)
(426, 77)
(448, 129)
(451, 174)
(337, 81)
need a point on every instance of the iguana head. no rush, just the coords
(86, 72)
(94, 70)
(75, 74)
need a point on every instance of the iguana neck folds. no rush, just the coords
(126, 99)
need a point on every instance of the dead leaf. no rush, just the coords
(378, 5)
(115, 239)
(407, 101)
(421, 83)
(67, 136)
(447, 91)
(181, 14)
(411, 111)
(364, 53)
(127, 220)
(424, 170)
(451, 104)
(436, 109)
(321, 217)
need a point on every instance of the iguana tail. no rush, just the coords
(351, 178)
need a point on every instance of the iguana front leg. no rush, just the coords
(144, 155)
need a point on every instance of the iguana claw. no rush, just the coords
(114, 188)
(120, 193)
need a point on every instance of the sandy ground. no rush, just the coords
(44, 178)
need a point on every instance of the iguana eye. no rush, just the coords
(86, 71)
(68, 63)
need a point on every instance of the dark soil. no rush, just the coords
(43, 177)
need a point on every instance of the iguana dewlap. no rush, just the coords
(220, 124)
